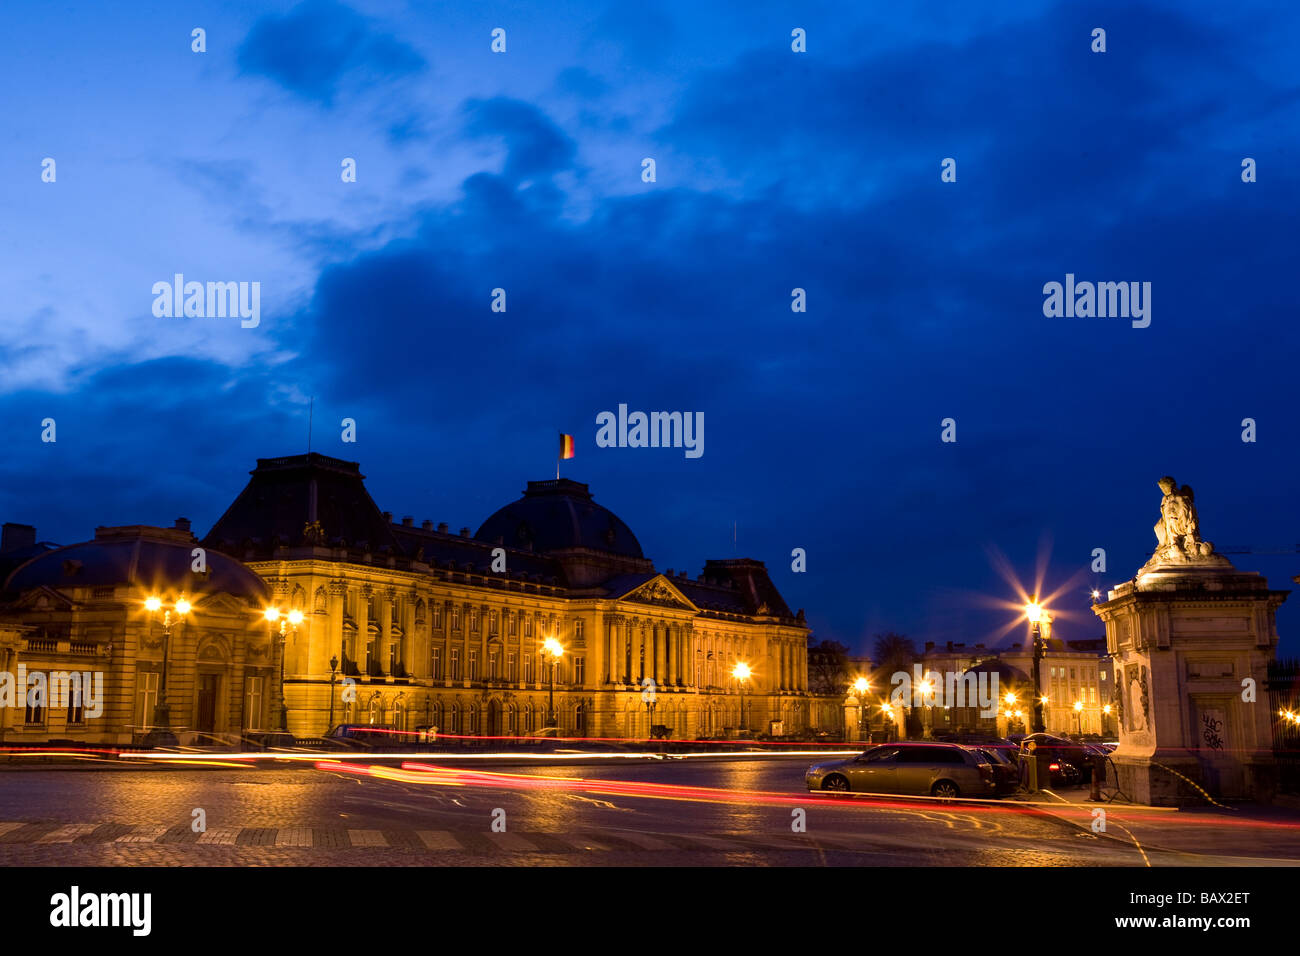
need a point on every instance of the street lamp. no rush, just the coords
(1078, 717)
(555, 650)
(741, 672)
(860, 687)
(294, 617)
(334, 668)
(1034, 612)
(181, 608)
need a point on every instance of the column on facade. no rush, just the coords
(386, 597)
(363, 627)
(446, 640)
(664, 638)
(411, 659)
(670, 651)
(484, 613)
(611, 648)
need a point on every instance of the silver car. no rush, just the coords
(940, 770)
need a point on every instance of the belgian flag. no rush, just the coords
(566, 446)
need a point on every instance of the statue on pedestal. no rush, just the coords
(1178, 532)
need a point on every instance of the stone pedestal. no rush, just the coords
(1192, 641)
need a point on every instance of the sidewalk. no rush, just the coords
(1252, 833)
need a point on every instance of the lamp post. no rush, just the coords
(294, 617)
(555, 650)
(860, 687)
(1034, 612)
(742, 673)
(181, 608)
(334, 667)
(1078, 717)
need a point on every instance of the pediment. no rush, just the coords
(660, 592)
(44, 598)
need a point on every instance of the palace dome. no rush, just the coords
(557, 516)
(157, 560)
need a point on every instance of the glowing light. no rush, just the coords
(1010, 698)
(926, 687)
(1034, 611)
(861, 685)
(153, 603)
(1044, 699)
(271, 614)
(553, 647)
(1078, 705)
(1095, 594)
(182, 607)
(1106, 710)
(295, 617)
(741, 671)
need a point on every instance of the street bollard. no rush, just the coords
(1098, 771)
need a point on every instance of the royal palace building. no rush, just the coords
(548, 616)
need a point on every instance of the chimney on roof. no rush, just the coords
(15, 536)
(442, 527)
(950, 647)
(464, 532)
(426, 524)
(929, 646)
(668, 573)
(388, 516)
(407, 521)
(182, 524)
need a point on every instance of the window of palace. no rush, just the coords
(437, 617)
(455, 618)
(473, 664)
(579, 670)
(253, 690)
(512, 623)
(455, 663)
(437, 663)
(146, 698)
(512, 674)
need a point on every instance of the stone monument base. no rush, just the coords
(1155, 781)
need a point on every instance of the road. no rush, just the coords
(738, 812)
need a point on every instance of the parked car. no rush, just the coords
(1006, 769)
(367, 737)
(1062, 750)
(933, 769)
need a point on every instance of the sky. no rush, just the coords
(775, 170)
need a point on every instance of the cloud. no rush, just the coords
(318, 45)
(535, 146)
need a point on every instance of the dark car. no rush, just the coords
(1062, 750)
(367, 737)
(941, 770)
(1006, 769)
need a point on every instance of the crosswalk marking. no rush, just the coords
(145, 834)
(531, 842)
(515, 843)
(643, 840)
(294, 836)
(439, 840)
(367, 838)
(68, 832)
(220, 836)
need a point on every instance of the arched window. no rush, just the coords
(399, 715)
(320, 603)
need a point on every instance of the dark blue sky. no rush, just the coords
(775, 170)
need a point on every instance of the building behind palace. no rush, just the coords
(395, 624)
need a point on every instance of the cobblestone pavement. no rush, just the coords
(303, 816)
